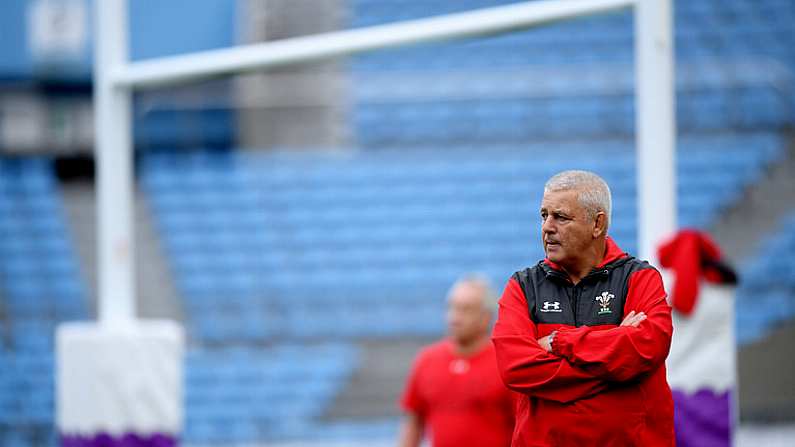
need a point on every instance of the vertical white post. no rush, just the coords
(655, 124)
(114, 166)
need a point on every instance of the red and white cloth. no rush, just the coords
(702, 361)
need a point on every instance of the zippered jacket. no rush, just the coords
(602, 384)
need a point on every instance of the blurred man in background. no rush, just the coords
(584, 334)
(454, 391)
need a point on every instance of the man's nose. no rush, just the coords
(547, 226)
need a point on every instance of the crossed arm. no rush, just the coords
(581, 362)
(631, 320)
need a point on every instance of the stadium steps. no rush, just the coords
(157, 297)
(763, 204)
(765, 366)
(374, 390)
(766, 369)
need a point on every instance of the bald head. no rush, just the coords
(471, 305)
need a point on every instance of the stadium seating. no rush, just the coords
(731, 74)
(238, 395)
(41, 285)
(275, 254)
(705, 29)
(308, 245)
(767, 285)
(166, 126)
(489, 107)
(342, 432)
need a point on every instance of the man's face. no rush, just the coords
(566, 229)
(466, 318)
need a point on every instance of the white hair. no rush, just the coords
(490, 299)
(592, 191)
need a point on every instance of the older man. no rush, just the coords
(454, 390)
(583, 335)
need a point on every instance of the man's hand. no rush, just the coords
(544, 342)
(633, 319)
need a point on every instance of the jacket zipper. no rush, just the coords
(578, 291)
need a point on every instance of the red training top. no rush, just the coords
(461, 400)
(602, 384)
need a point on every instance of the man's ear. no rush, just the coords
(600, 224)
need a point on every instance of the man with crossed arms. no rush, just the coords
(583, 335)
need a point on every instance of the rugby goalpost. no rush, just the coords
(116, 77)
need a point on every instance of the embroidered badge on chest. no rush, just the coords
(604, 303)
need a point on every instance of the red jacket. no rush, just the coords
(602, 385)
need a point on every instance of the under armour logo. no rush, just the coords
(553, 306)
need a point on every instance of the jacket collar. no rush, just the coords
(614, 256)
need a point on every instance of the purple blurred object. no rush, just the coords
(126, 440)
(703, 419)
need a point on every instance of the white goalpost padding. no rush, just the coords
(116, 77)
(120, 383)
